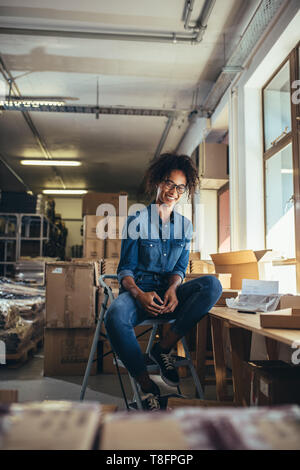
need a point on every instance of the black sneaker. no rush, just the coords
(150, 402)
(165, 361)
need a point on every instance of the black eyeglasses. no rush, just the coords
(180, 188)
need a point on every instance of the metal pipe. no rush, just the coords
(201, 24)
(10, 80)
(12, 171)
(189, 8)
(165, 37)
(164, 136)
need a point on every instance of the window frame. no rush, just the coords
(293, 137)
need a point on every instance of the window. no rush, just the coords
(281, 157)
(277, 107)
(279, 191)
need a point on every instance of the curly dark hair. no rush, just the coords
(161, 168)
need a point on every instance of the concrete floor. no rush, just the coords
(31, 384)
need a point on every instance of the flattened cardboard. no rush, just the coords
(241, 264)
(66, 352)
(70, 294)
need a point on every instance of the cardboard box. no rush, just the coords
(112, 248)
(225, 278)
(161, 433)
(8, 396)
(289, 301)
(70, 294)
(112, 226)
(90, 226)
(285, 318)
(93, 248)
(227, 294)
(109, 265)
(195, 255)
(271, 383)
(66, 351)
(54, 425)
(91, 201)
(245, 264)
(199, 266)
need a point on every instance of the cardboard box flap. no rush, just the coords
(234, 257)
(262, 256)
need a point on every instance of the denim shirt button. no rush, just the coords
(165, 254)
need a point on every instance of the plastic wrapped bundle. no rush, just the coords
(17, 337)
(8, 314)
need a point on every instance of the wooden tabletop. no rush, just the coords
(251, 322)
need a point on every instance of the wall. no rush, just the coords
(70, 210)
(205, 223)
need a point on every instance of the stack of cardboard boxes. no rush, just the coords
(102, 237)
(94, 244)
(70, 317)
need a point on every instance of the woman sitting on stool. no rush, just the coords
(154, 257)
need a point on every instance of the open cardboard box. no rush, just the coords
(245, 264)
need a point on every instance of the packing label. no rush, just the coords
(57, 271)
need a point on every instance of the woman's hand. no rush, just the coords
(170, 300)
(146, 300)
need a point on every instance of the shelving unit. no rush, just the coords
(31, 232)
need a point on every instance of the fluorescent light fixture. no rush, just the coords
(13, 102)
(65, 191)
(287, 171)
(51, 162)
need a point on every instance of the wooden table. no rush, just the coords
(241, 326)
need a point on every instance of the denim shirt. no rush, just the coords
(151, 246)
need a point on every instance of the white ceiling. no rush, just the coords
(115, 150)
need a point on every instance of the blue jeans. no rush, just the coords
(195, 299)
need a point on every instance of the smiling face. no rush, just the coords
(168, 196)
